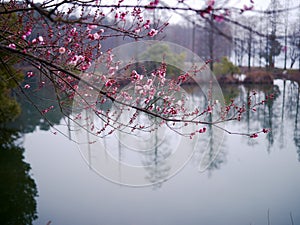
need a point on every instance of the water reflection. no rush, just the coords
(37, 99)
(297, 126)
(137, 159)
(282, 110)
(155, 160)
(17, 188)
(247, 176)
(210, 151)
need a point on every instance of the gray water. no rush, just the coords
(252, 181)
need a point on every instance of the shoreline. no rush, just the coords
(276, 73)
(258, 75)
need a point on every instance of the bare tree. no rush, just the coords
(294, 41)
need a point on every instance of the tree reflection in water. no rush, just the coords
(278, 114)
(17, 189)
(297, 125)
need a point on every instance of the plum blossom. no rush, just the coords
(209, 109)
(137, 30)
(74, 60)
(92, 26)
(154, 3)
(152, 32)
(13, 46)
(202, 130)
(91, 36)
(26, 86)
(40, 39)
(210, 6)
(266, 130)
(112, 70)
(30, 74)
(86, 66)
(135, 76)
(255, 135)
(47, 110)
(123, 15)
(182, 78)
(110, 82)
(68, 39)
(73, 32)
(96, 36)
(147, 24)
(173, 111)
(28, 32)
(34, 41)
(62, 50)
(149, 82)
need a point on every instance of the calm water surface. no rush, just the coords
(249, 178)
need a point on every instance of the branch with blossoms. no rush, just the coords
(63, 39)
(162, 100)
(153, 95)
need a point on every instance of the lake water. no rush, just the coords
(252, 181)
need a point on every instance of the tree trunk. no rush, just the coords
(249, 50)
(285, 48)
(211, 43)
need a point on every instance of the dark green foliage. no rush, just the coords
(9, 108)
(17, 189)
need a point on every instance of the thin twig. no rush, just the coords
(292, 220)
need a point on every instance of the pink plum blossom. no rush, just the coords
(34, 41)
(254, 135)
(13, 46)
(30, 74)
(92, 26)
(152, 32)
(62, 50)
(137, 30)
(96, 36)
(28, 32)
(147, 24)
(41, 39)
(26, 86)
